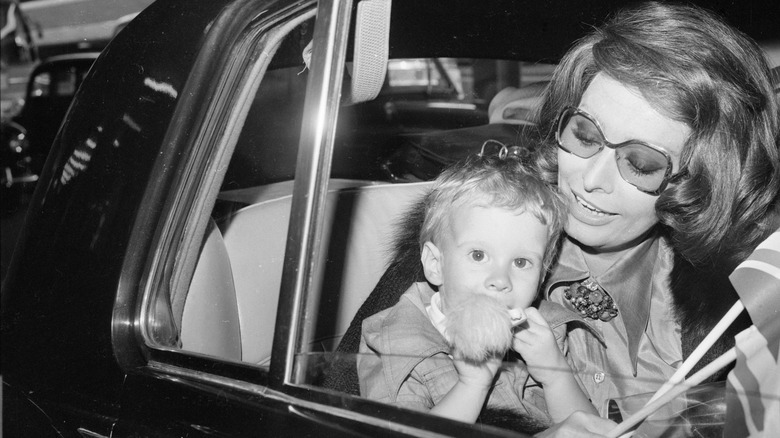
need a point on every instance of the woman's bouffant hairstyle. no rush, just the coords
(491, 180)
(693, 68)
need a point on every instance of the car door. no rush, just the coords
(202, 381)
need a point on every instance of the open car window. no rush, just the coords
(223, 302)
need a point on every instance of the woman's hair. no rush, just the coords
(493, 181)
(693, 68)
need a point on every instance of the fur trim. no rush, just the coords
(479, 328)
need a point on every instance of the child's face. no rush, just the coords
(488, 250)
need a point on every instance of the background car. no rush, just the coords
(18, 53)
(216, 207)
(28, 135)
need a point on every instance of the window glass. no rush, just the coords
(228, 311)
(220, 298)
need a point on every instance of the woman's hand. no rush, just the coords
(535, 341)
(579, 425)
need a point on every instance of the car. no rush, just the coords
(27, 136)
(217, 205)
(19, 37)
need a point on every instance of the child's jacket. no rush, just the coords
(405, 361)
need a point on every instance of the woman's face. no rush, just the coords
(606, 213)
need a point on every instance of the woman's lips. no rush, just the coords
(591, 208)
(588, 213)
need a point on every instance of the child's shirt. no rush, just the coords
(406, 361)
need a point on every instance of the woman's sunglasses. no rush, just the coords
(645, 166)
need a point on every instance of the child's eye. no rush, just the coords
(522, 263)
(477, 255)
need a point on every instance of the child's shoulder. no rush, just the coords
(406, 320)
(411, 304)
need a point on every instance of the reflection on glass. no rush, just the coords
(699, 412)
(40, 85)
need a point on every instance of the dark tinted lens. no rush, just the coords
(579, 135)
(642, 165)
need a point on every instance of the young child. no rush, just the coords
(490, 229)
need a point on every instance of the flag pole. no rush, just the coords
(701, 349)
(698, 377)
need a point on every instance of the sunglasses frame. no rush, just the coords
(577, 111)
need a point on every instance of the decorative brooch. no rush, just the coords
(591, 300)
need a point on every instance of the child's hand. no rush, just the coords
(465, 399)
(535, 342)
(477, 374)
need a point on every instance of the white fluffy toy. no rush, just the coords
(480, 327)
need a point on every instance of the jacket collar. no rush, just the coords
(416, 326)
(629, 281)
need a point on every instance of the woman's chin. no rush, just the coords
(606, 237)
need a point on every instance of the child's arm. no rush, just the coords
(546, 364)
(465, 400)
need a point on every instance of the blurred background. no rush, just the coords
(37, 29)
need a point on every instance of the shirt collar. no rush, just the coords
(438, 319)
(629, 281)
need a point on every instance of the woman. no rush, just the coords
(661, 219)
(661, 130)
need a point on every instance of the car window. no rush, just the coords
(219, 298)
(194, 307)
(229, 308)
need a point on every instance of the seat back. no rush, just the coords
(359, 225)
(209, 322)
